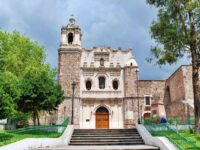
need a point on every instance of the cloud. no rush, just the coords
(114, 23)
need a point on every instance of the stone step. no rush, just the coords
(130, 129)
(100, 147)
(88, 138)
(105, 135)
(104, 132)
(104, 140)
(109, 143)
(114, 135)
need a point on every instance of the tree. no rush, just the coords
(8, 94)
(177, 32)
(18, 54)
(40, 92)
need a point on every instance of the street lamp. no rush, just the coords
(73, 88)
(137, 71)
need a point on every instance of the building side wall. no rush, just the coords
(180, 88)
(187, 76)
(176, 86)
(154, 89)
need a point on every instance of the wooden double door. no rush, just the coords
(102, 118)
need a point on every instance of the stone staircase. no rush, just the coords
(83, 137)
(104, 139)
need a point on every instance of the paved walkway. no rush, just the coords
(118, 147)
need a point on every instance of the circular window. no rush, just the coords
(88, 85)
(115, 84)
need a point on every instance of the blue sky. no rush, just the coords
(115, 23)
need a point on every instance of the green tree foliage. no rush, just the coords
(177, 32)
(27, 84)
(8, 94)
(39, 92)
(18, 53)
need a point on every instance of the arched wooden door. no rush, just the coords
(102, 118)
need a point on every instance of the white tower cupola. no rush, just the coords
(71, 35)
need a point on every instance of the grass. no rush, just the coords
(191, 136)
(10, 137)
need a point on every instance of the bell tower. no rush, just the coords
(69, 60)
(71, 35)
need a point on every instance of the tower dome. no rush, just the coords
(72, 20)
(131, 62)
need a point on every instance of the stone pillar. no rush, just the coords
(69, 71)
(130, 97)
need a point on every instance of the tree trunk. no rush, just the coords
(196, 90)
(195, 72)
(34, 118)
(38, 119)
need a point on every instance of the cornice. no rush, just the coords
(69, 50)
(101, 69)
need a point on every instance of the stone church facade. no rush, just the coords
(107, 91)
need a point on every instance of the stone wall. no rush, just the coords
(179, 88)
(130, 82)
(69, 71)
(154, 89)
(175, 85)
(130, 112)
(130, 97)
(46, 118)
(187, 76)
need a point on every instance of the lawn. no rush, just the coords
(10, 137)
(185, 133)
(193, 137)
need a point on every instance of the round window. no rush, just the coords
(88, 85)
(115, 85)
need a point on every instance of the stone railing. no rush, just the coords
(101, 94)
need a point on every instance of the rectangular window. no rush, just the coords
(154, 112)
(148, 100)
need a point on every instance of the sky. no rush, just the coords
(114, 23)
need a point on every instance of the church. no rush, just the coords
(102, 87)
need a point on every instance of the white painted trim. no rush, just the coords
(161, 142)
(32, 143)
(145, 99)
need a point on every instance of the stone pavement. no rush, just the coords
(113, 147)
